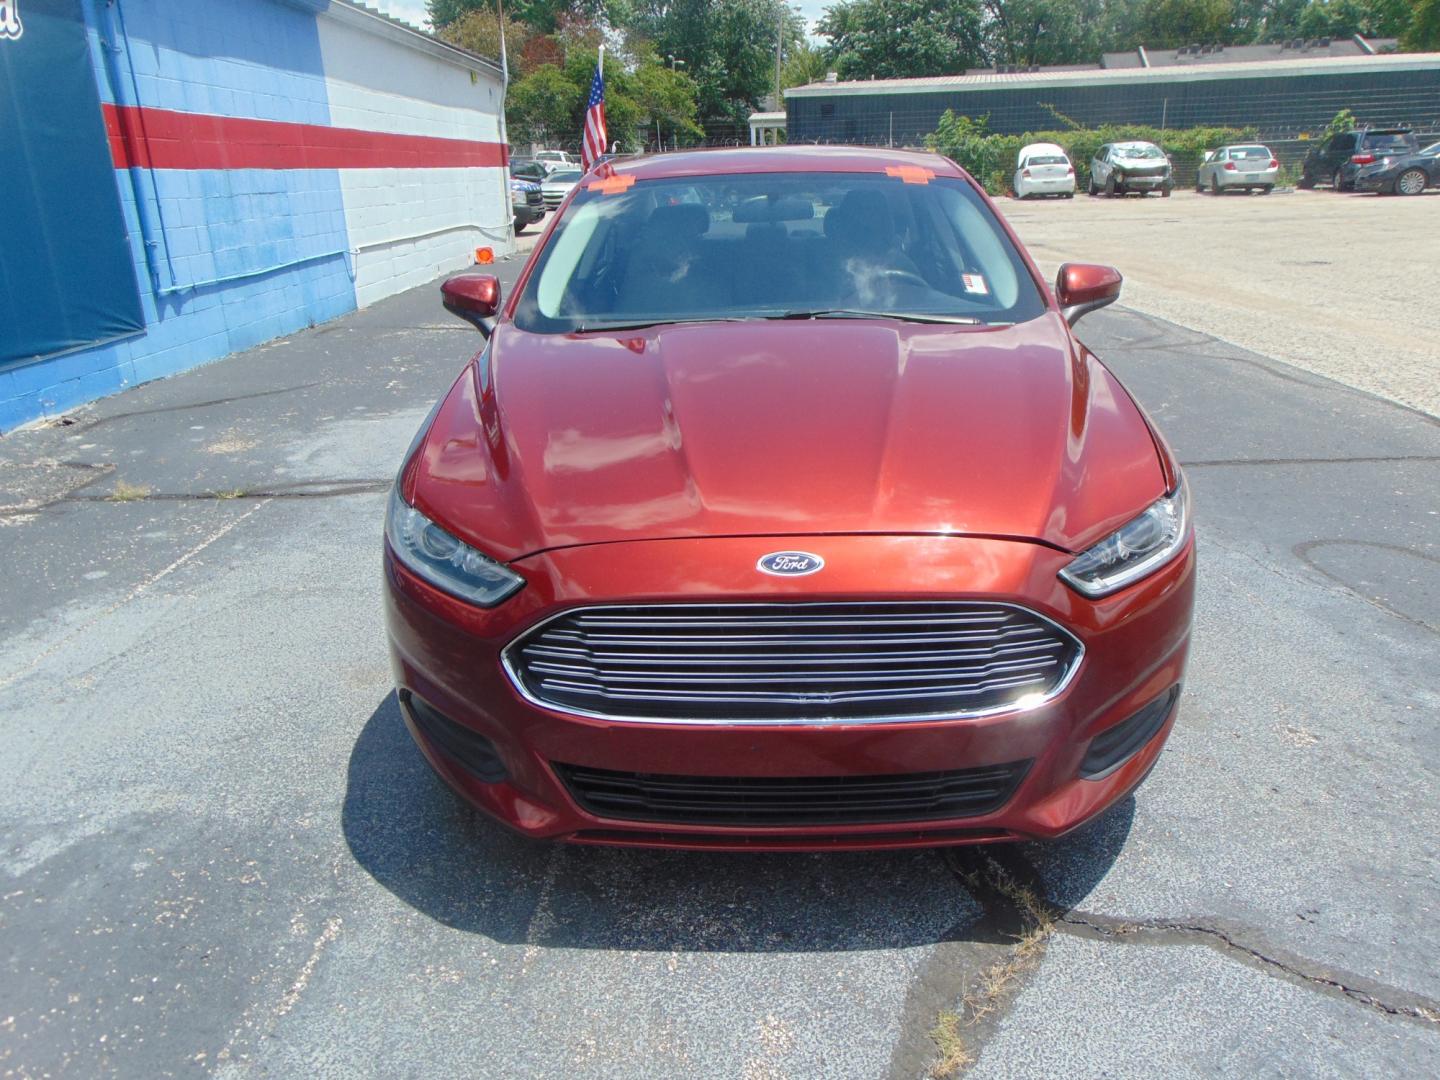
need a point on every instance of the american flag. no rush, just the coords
(595, 140)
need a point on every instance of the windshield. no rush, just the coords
(1138, 153)
(528, 171)
(775, 245)
(1247, 153)
(565, 176)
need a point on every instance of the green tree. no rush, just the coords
(1042, 31)
(542, 107)
(479, 31)
(895, 39)
(1423, 33)
(727, 46)
(1168, 24)
(804, 63)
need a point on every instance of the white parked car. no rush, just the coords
(1044, 169)
(559, 184)
(1250, 168)
(556, 159)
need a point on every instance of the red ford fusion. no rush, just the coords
(783, 509)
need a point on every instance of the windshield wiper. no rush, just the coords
(856, 313)
(596, 328)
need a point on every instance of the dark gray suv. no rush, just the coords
(1339, 158)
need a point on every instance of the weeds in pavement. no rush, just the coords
(128, 492)
(998, 982)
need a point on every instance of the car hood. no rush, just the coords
(763, 428)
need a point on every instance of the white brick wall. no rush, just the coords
(409, 225)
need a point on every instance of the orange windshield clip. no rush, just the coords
(612, 185)
(911, 174)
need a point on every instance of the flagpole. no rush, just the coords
(600, 67)
(504, 134)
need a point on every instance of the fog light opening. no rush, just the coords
(1117, 745)
(468, 747)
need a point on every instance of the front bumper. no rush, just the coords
(447, 653)
(1142, 183)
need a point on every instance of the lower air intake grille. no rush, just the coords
(775, 663)
(792, 801)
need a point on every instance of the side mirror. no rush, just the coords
(474, 297)
(1082, 288)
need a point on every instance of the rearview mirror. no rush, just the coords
(474, 297)
(1081, 288)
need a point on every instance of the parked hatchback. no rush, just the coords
(1043, 169)
(1249, 167)
(1124, 167)
(1338, 160)
(798, 519)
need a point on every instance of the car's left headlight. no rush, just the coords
(449, 564)
(1138, 548)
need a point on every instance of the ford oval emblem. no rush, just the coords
(790, 563)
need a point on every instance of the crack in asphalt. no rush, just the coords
(1296, 969)
(1012, 895)
(81, 427)
(306, 489)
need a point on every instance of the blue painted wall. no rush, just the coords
(237, 257)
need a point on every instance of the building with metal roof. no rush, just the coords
(1282, 90)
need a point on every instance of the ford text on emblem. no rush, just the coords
(789, 563)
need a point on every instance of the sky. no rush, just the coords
(414, 10)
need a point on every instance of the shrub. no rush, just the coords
(991, 158)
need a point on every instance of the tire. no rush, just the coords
(1265, 189)
(521, 225)
(1199, 185)
(1306, 182)
(1337, 181)
(1215, 186)
(1110, 186)
(1165, 192)
(1410, 182)
(1068, 195)
(1090, 186)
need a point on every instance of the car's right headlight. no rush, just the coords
(1136, 549)
(449, 564)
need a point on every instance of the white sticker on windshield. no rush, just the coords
(975, 283)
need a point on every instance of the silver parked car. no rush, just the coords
(558, 184)
(1122, 167)
(1250, 167)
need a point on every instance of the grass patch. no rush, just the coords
(125, 492)
(998, 982)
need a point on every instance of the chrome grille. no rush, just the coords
(779, 663)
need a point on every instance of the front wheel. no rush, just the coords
(1165, 192)
(1265, 189)
(1410, 182)
(1337, 181)
(1110, 186)
(1306, 182)
(1214, 186)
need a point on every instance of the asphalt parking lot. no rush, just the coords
(222, 854)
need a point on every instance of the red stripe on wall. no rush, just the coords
(162, 139)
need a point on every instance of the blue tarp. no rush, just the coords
(67, 274)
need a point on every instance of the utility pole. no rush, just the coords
(779, 41)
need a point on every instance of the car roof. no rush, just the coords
(1129, 143)
(773, 159)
